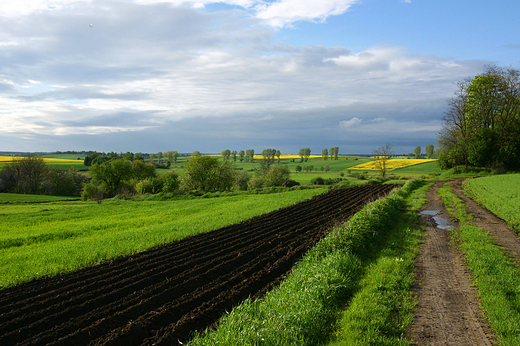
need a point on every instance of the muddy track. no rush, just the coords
(448, 310)
(165, 294)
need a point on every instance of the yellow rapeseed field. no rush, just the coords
(391, 164)
(9, 159)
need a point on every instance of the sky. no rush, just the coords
(149, 76)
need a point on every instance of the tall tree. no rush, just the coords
(417, 151)
(325, 154)
(241, 155)
(429, 150)
(382, 155)
(306, 154)
(482, 124)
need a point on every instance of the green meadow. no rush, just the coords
(500, 194)
(52, 237)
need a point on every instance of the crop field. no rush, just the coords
(500, 194)
(392, 164)
(162, 295)
(42, 239)
(9, 159)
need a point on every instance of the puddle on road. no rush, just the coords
(441, 222)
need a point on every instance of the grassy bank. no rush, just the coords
(304, 309)
(45, 239)
(494, 272)
(500, 194)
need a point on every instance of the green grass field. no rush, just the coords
(500, 194)
(45, 239)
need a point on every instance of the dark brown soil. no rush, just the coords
(164, 295)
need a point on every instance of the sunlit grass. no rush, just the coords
(45, 239)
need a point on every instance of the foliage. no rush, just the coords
(24, 175)
(482, 124)
(111, 175)
(430, 151)
(417, 152)
(208, 173)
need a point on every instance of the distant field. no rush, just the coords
(392, 164)
(19, 198)
(500, 194)
(9, 159)
(37, 240)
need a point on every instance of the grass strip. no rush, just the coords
(381, 312)
(494, 273)
(305, 308)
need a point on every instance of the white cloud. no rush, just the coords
(175, 74)
(354, 122)
(285, 12)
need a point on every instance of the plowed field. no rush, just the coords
(163, 295)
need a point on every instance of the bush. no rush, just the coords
(170, 181)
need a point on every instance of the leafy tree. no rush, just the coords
(306, 154)
(225, 154)
(128, 156)
(327, 168)
(482, 124)
(301, 153)
(64, 183)
(250, 155)
(208, 173)
(325, 154)
(417, 151)
(278, 154)
(138, 157)
(382, 155)
(152, 158)
(234, 154)
(111, 175)
(159, 156)
(334, 151)
(277, 176)
(429, 150)
(175, 156)
(196, 153)
(298, 169)
(241, 155)
(268, 156)
(30, 172)
(170, 181)
(142, 170)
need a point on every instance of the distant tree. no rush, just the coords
(208, 173)
(277, 176)
(268, 156)
(306, 154)
(64, 183)
(241, 155)
(138, 157)
(334, 151)
(382, 155)
(417, 152)
(327, 168)
(429, 150)
(325, 154)
(196, 153)
(250, 155)
(234, 154)
(29, 173)
(225, 154)
(298, 169)
(152, 158)
(301, 153)
(111, 175)
(175, 156)
(159, 156)
(142, 170)
(278, 154)
(128, 156)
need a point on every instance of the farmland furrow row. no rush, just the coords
(154, 288)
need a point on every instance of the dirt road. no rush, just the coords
(448, 311)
